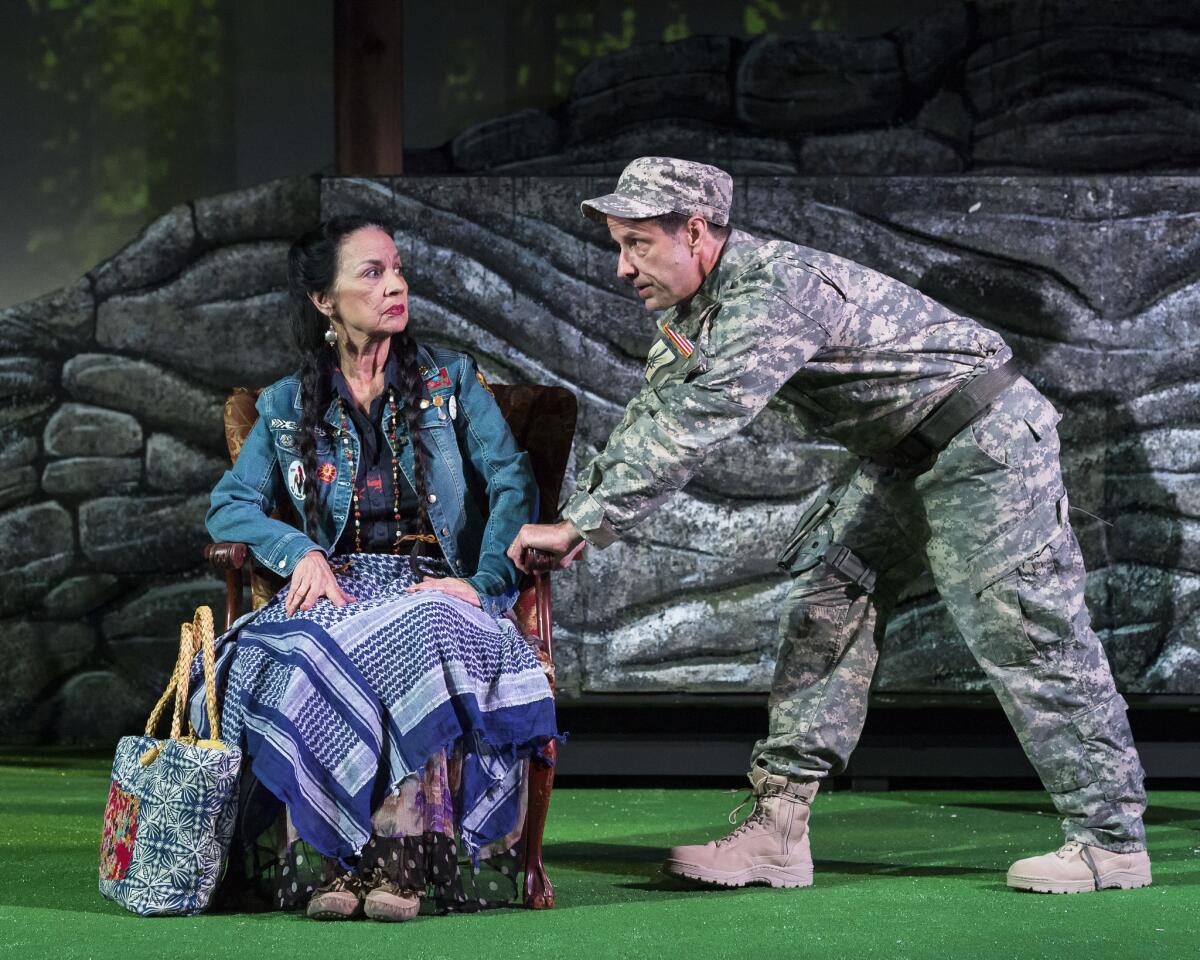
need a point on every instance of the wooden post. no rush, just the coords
(369, 86)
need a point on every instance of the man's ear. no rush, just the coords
(697, 230)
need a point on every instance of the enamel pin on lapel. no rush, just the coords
(295, 479)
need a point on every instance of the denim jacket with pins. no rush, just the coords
(480, 486)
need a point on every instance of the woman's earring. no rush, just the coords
(331, 337)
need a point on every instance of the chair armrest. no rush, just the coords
(229, 559)
(226, 556)
(539, 561)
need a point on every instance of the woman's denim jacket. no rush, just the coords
(480, 486)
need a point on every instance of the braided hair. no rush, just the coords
(312, 268)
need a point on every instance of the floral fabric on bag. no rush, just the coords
(120, 831)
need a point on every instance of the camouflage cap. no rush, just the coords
(652, 186)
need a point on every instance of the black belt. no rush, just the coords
(931, 436)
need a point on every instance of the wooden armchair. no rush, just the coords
(542, 420)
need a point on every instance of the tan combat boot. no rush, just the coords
(1080, 868)
(770, 846)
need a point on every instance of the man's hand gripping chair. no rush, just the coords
(542, 419)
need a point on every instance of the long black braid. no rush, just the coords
(312, 268)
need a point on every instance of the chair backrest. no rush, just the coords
(240, 417)
(542, 419)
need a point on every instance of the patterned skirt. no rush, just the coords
(396, 729)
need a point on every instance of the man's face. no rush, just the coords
(659, 263)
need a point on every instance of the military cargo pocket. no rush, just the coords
(1100, 750)
(991, 436)
(1108, 741)
(811, 639)
(1045, 612)
(1015, 579)
(1001, 640)
(1021, 541)
(1041, 418)
(1061, 760)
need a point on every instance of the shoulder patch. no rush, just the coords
(483, 381)
(659, 358)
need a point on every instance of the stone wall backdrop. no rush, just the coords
(110, 432)
(1021, 86)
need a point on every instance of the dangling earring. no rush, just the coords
(331, 337)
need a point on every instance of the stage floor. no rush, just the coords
(899, 874)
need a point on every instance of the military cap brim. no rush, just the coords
(616, 205)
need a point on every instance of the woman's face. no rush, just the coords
(369, 299)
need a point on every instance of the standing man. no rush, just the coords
(959, 470)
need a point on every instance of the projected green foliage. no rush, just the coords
(549, 43)
(134, 109)
(135, 103)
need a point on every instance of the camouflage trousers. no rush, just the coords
(990, 520)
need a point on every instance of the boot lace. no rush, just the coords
(753, 819)
(1068, 850)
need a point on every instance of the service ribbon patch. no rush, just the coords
(682, 344)
(440, 382)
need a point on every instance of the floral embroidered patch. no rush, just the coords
(120, 830)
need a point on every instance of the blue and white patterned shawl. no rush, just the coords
(335, 706)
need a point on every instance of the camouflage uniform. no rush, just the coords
(853, 355)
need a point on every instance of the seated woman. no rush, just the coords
(382, 695)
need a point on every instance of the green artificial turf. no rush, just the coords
(901, 874)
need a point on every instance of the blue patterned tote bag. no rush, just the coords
(172, 803)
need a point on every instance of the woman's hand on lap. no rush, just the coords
(451, 585)
(311, 580)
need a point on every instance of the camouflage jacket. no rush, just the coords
(847, 353)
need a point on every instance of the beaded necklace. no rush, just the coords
(349, 448)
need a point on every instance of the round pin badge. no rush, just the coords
(295, 479)
(453, 408)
